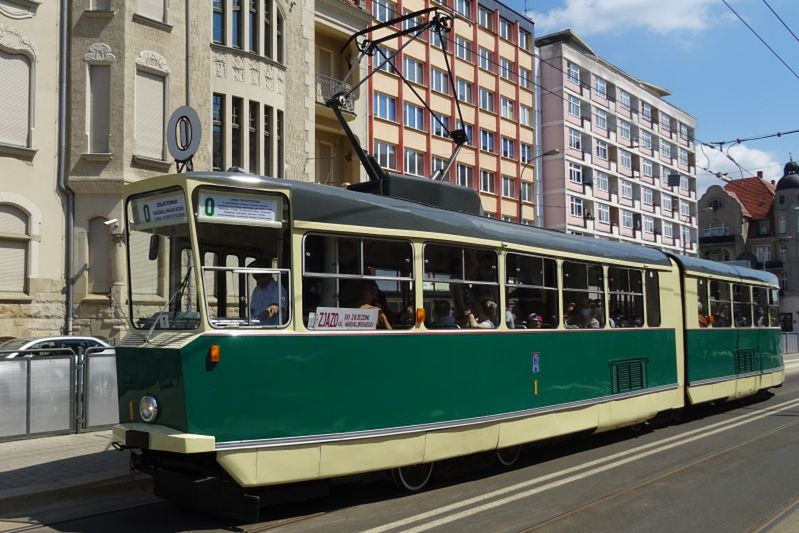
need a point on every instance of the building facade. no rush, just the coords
(626, 166)
(786, 217)
(32, 220)
(492, 79)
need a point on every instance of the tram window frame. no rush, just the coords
(462, 276)
(626, 297)
(346, 281)
(652, 295)
(573, 318)
(719, 320)
(742, 305)
(703, 304)
(774, 307)
(543, 283)
(760, 303)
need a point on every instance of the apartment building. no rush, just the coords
(31, 204)
(491, 61)
(626, 168)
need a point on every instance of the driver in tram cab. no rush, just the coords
(269, 301)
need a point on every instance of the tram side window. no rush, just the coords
(461, 288)
(720, 304)
(626, 296)
(355, 273)
(760, 298)
(652, 298)
(774, 307)
(702, 308)
(742, 305)
(532, 291)
(583, 295)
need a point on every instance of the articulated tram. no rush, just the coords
(285, 332)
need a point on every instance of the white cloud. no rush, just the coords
(591, 17)
(751, 159)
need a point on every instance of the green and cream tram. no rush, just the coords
(370, 360)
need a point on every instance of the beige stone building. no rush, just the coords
(246, 66)
(31, 214)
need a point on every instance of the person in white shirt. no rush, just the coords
(269, 301)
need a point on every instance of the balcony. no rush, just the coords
(326, 87)
(717, 239)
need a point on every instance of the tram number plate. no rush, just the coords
(137, 439)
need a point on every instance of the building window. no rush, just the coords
(625, 159)
(508, 188)
(440, 81)
(602, 150)
(383, 10)
(505, 28)
(487, 140)
(414, 70)
(464, 175)
(385, 107)
(600, 181)
(668, 230)
(666, 204)
(15, 240)
(665, 122)
(576, 206)
(252, 130)
(575, 173)
(236, 24)
(414, 162)
(683, 157)
(684, 132)
(487, 181)
(601, 119)
(506, 68)
(525, 115)
(527, 192)
(484, 18)
(526, 152)
(252, 27)
(506, 107)
(219, 21)
(524, 77)
(781, 224)
(150, 94)
(485, 58)
(437, 164)
(646, 139)
(574, 106)
(99, 108)
(647, 169)
(574, 73)
(440, 124)
(646, 111)
(716, 230)
(763, 253)
(218, 147)
(647, 196)
(684, 183)
(575, 139)
(486, 99)
(624, 99)
(236, 105)
(525, 39)
(152, 9)
(649, 224)
(386, 155)
(764, 227)
(99, 238)
(624, 130)
(15, 103)
(626, 219)
(268, 114)
(626, 190)
(383, 60)
(413, 22)
(665, 150)
(464, 91)
(463, 48)
(414, 116)
(601, 87)
(281, 136)
(464, 7)
(685, 209)
(508, 147)
(468, 128)
(603, 210)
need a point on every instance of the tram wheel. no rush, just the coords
(676, 415)
(508, 456)
(412, 478)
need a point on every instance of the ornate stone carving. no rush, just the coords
(220, 65)
(13, 10)
(238, 69)
(99, 53)
(269, 77)
(13, 39)
(255, 74)
(153, 61)
(281, 82)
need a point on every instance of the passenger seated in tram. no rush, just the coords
(534, 321)
(702, 317)
(368, 299)
(571, 317)
(269, 300)
(721, 317)
(443, 317)
(486, 312)
(761, 320)
(587, 318)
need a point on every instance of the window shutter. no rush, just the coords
(13, 221)
(143, 271)
(149, 115)
(15, 73)
(12, 265)
(100, 108)
(153, 9)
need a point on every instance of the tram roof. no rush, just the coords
(694, 265)
(314, 202)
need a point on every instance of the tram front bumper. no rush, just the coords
(161, 438)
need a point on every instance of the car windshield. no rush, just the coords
(13, 344)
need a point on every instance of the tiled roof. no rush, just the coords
(756, 195)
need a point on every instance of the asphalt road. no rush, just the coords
(728, 468)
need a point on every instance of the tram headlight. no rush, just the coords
(148, 408)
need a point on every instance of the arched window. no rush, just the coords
(99, 256)
(14, 242)
(15, 104)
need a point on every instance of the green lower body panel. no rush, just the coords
(725, 353)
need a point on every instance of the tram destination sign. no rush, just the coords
(159, 210)
(227, 208)
(343, 318)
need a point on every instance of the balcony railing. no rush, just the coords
(326, 87)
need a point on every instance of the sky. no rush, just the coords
(715, 68)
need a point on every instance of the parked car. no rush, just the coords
(45, 346)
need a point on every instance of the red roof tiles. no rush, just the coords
(756, 195)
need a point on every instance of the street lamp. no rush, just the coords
(538, 185)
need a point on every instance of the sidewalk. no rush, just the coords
(43, 470)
